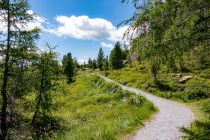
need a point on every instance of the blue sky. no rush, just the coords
(81, 26)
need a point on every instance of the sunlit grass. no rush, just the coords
(95, 110)
(138, 75)
(195, 92)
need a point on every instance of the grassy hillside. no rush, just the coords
(138, 75)
(91, 109)
(194, 92)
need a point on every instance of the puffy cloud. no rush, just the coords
(36, 22)
(82, 60)
(83, 27)
(118, 34)
(79, 27)
(107, 45)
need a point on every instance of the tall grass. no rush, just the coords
(92, 109)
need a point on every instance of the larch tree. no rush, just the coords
(14, 14)
(47, 67)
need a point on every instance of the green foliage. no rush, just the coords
(17, 51)
(69, 67)
(106, 65)
(116, 57)
(100, 59)
(100, 110)
(90, 63)
(167, 86)
(94, 64)
(197, 88)
(155, 67)
(200, 130)
(174, 31)
(89, 108)
(47, 66)
(125, 54)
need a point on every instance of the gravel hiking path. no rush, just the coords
(166, 123)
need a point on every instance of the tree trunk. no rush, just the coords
(37, 109)
(39, 100)
(4, 127)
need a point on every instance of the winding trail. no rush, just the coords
(166, 123)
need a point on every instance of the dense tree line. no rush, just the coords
(114, 61)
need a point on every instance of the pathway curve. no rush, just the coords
(166, 123)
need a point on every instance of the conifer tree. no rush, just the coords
(47, 66)
(106, 65)
(94, 64)
(68, 64)
(100, 59)
(90, 63)
(116, 57)
(15, 15)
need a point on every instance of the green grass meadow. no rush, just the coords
(92, 109)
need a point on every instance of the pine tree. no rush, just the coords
(100, 59)
(94, 64)
(14, 14)
(116, 57)
(106, 65)
(90, 63)
(68, 65)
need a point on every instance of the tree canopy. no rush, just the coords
(100, 59)
(68, 65)
(116, 57)
(172, 32)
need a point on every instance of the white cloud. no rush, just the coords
(81, 61)
(118, 34)
(105, 45)
(83, 27)
(79, 27)
(36, 22)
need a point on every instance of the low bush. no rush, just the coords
(197, 88)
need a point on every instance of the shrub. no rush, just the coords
(136, 100)
(197, 88)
